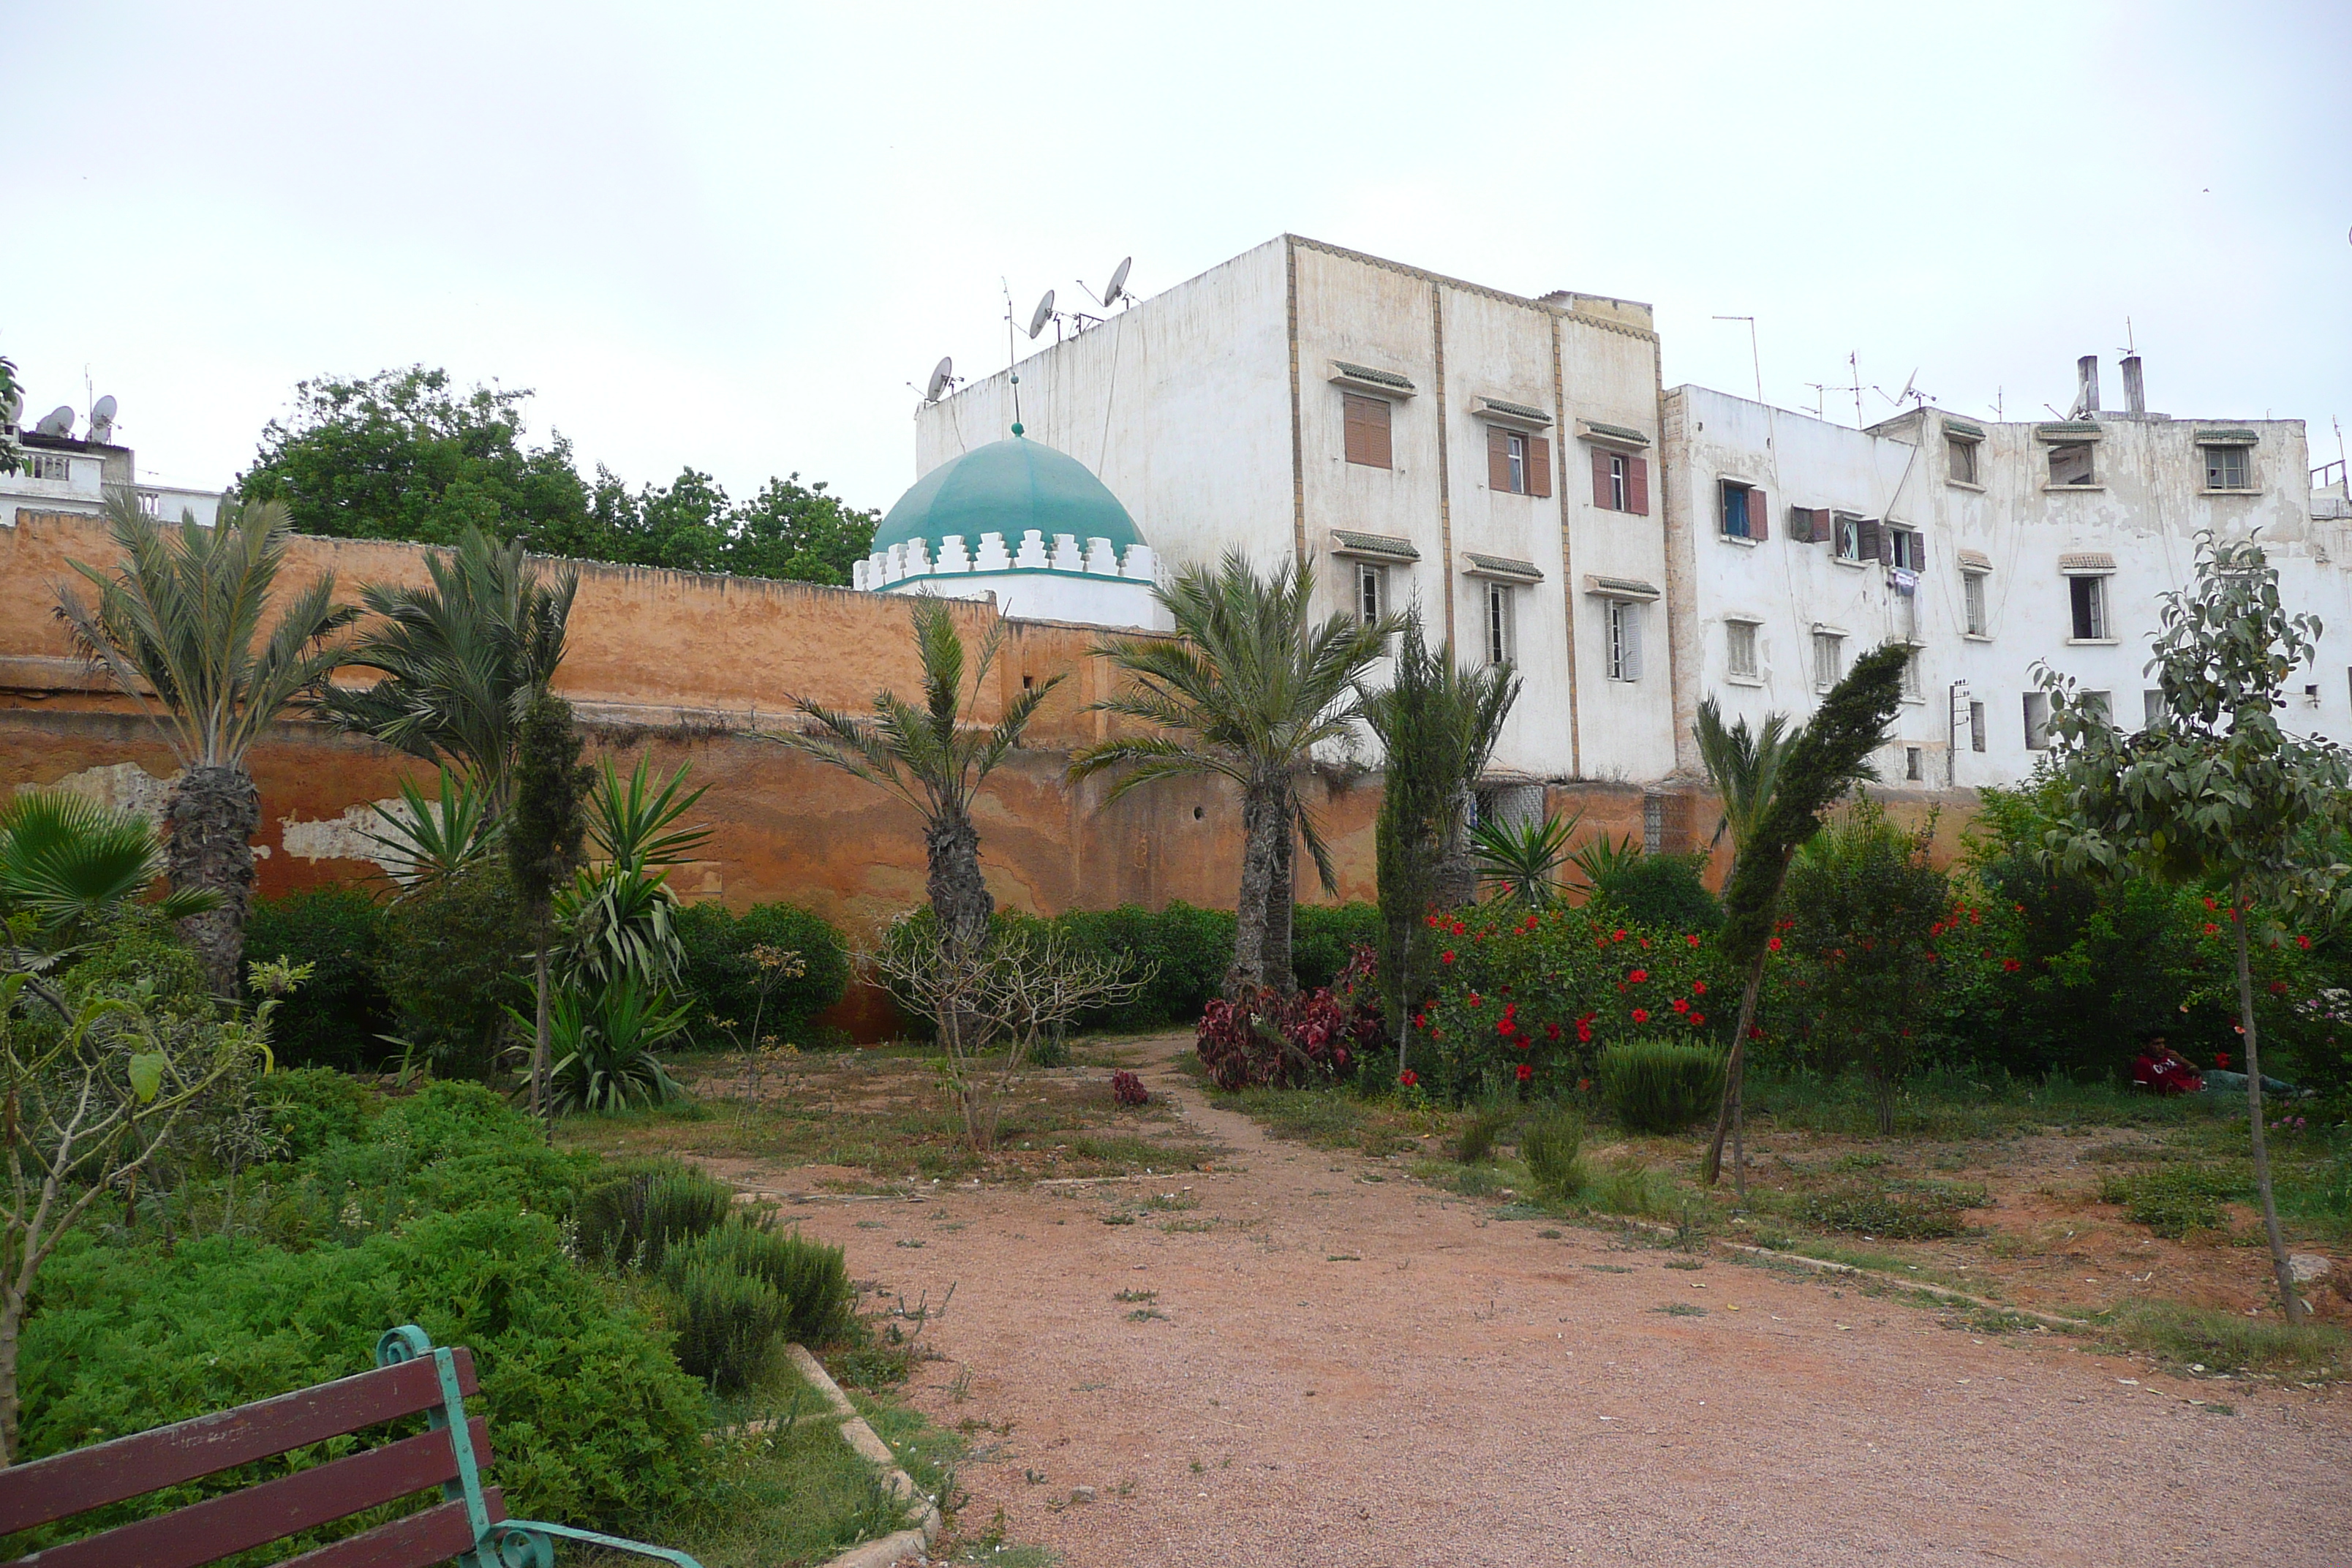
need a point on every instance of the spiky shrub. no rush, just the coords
(644, 1208)
(1659, 1085)
(810, 1278)
(727, 1321)
(1550, 1144)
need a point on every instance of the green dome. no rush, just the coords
(1008, 487)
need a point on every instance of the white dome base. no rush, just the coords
(1034, 595)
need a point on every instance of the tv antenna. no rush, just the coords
(1821, 392)
(57, 421)
(1111, 295)
(942, 382)
(1755, 359)
(1044, 313)
(1853, 383)
(101, 419)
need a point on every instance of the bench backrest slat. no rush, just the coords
(69, 1483)
(422, 1540)
(222, 1526)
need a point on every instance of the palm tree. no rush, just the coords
(1437, 724)
(934, 758)
(177, 625)
(1745, 769)
(68, 863)
(1248, 691)
(460, 660)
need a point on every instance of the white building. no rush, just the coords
(63, 473)
(1423, 439)
(1798, 545)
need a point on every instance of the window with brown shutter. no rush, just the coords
(1498, 461)
(1604, 488)
(1538, 466)
(1759, 528)
(1866, 538)
(1637, 486)
(1368, 431)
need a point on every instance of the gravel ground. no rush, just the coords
(1362, 1372)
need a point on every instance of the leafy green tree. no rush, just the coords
(2213, 789)
(400, 454)
(545, 830)
(1437, 723)
(459, 660)
(178, 625)
(1827, 757)
(797, 532)
(12, 401)
(934, 758)
(1249, 688)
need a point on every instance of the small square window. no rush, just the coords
(1829, 659)
(1972, 601)
(2037, 721)
(1501, 641)
(1624, 640)
(2228, 468)
(1517, 464)
(2070, 464)
(1739, 515)
(1371, 590)
(1960, 456)
(1367, 437)
(1915, 764)
(2151, 708)
(1849, 535)
(2099, 705)
(1620, 482)
(1976, 727)
(1910, 549)
(2089, 597)
(1739, 646)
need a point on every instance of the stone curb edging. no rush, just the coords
(917, 1537)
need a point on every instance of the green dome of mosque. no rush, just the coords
(1008, 487)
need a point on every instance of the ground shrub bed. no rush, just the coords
(2173, 1200)
(1896, 1209)
(734, 995)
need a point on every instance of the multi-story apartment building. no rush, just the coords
(1991, 547)
(1425, 441)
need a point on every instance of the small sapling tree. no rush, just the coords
(545, 827)
(2211, 790)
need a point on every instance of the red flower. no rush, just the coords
(1457, 928)
(1640, 1015)
(1552, 1031)
(1445, 957)
(1585, 1034)
(1505, 1029)
(2277, 986)
(2008, 966)
(1525, 1072)
(2210, 904)
(1476, 1000)
(2211, 930)
(1408, 1077)
(1698, 1017)
(1755, 1031)
(2302, 941)
(1698, 987)
(1774, 944)
(1692, 938)
(1638, 976)
(2222, 1060)
(1429, 920)
(1584, 1086)
(1681, 1005)
(1619, 935)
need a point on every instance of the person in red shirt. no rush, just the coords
(2160, 1067)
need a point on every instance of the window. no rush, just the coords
(2101, 706)
(2090, 598)
(1739, 646)
(1371, 590)
(2037, 721)
(1517, 464)
(1829, 659)
(1976, 727)
(2070, 464)
(1743, 511)
(1972, 601)
(2227, 468)
(1624, 640)
(1911, 673)
(1960, 458)
(1368, 431)
(1915, 764)
(1501, 647)
(1621, 482)
(1910, 549)
(2151, 708)
(1856, 538)
(1653, 824)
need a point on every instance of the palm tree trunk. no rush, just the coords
(960, 895)
(1262, 822)
(211, 815)
(2279, 1264)
(1281, 905)
(1730, 1118)
(1457, 874)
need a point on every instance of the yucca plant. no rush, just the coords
(620, 917)
(1521, 861)
(178, 624)
(68, 863)
(1599, 859)
(604, 1039)
(428, 839)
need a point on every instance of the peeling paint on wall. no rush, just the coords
(345, 837)
(122, 786)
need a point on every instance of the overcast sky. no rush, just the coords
(730, 237)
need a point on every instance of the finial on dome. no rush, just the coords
(1016, 428)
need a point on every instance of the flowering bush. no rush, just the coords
(1264, 1037)
(1128, 1089)
(1528, 1000)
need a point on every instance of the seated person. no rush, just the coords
(2160, 1067)
(2219, 1080)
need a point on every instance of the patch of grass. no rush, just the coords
(1627, 1186)
(1186, 1227)
(1609, 1269)
(1684, 1263)
(2226, 1342)
(1326, 1118)
(1681, 1310)
(1148, 1315)
(2174, 1199)
(1171, 1203)
(1548, 1234)
(1476, 1141)
(1135, 1295)
(1897, 1210)
(1954, 1106)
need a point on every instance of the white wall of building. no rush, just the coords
(60, 480)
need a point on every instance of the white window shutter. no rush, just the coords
(1633, 618)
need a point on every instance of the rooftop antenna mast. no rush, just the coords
(1009, 351)
(1755, 358)
(1853, 383)
(1821, 392)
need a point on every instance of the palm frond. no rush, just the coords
(632, 822)
(65, 860)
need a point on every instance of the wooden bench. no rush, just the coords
(412, 1376)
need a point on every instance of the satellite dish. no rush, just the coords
(1117, 284)
(1043, 314)
(942, 376)
(59, 421)
(101, 419)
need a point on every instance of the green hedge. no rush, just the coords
(336, 1016)
(720, 971)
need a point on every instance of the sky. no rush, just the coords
(737, 238)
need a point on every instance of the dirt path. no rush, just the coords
(1362, 1373)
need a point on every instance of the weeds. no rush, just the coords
(2193, 1339)
(1681, 1310)
(1899, 1211)
(2173, 1200)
